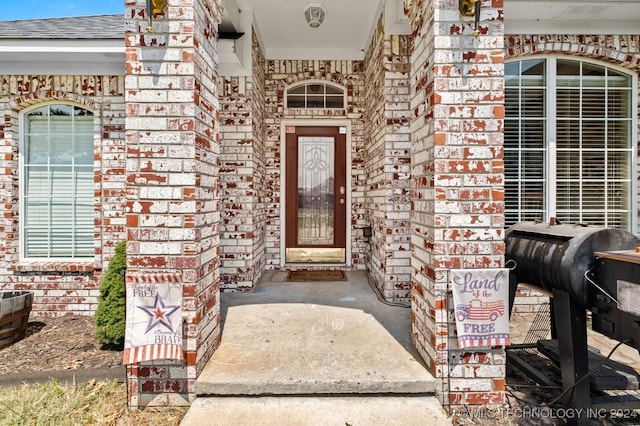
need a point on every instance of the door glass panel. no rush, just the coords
(316, 178)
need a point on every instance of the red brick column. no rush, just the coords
(242, 176)
(172, 171)
(388, 163)
(457, 190)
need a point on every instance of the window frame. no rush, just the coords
(551, 128)
(325, 84)
(23, 187)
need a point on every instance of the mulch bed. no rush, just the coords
(51, 344)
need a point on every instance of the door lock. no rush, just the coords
(342, 190)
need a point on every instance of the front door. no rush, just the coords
(315, 194)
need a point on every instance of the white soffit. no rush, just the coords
(572, 17)
(285, 34)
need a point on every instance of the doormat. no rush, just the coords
(316, 276)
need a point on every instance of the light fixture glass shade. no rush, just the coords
(314, 14)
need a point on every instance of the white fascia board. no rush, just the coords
(53, 46)
(319, 55)
(62, 67)
(62, 63)
(513, 26)
(575, 2)
(62, 57)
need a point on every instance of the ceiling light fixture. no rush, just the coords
(314, 14)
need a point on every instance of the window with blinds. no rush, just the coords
(569, 143)
(57, 183)
(525, 141)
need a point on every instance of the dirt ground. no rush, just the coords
(527, 401)
(62, 348)
(67, 343)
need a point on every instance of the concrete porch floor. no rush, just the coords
(327, 352)
(313, 337)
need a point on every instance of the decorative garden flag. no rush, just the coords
(153, 322)
(481, 300)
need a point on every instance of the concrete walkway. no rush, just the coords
(296, 348)
(314, 353)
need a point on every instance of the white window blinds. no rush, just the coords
(593, 119)
(525, 141)
(568, 143)
(57, 185)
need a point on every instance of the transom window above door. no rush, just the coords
(570, 142)
(315, 94)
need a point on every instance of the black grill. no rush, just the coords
(581, 267)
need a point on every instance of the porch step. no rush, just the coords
(307, 349)
(312, 364)
(316, 411)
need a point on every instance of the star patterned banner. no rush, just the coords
(153, 322)
(481, 300)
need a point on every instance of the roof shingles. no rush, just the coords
(80, 27)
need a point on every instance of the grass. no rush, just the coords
(93, 403)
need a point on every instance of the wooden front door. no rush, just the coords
(315, 194)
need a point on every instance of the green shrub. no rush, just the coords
(110, 315)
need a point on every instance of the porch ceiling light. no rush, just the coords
(314, 14)
(155, 7)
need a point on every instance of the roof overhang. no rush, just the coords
(284, 33)
(62, 57)
(571, 17)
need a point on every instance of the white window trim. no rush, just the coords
(283, 177)
(634, 150)
(550, 145)
(316, 81)
(22, 186)
(551, 88)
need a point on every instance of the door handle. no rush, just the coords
(342, 190)
(341, 200)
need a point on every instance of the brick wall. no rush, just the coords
(173, 212)
(63, 288)
(388, 163)
(280, 74)
(242, 176)
(457, 185)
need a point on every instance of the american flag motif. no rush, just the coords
(148, 352)
(480, 298)
(478, 310)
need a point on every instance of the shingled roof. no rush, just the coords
(98, 27)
